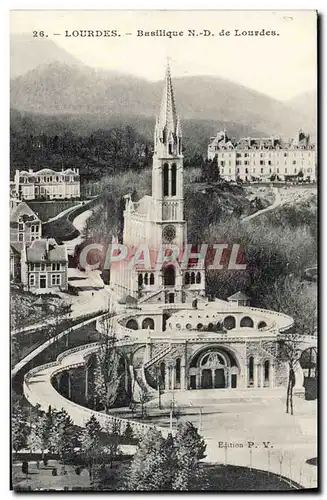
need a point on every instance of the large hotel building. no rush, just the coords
(46, 184)
(264, 158)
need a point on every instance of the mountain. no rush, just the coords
(56, 88)
(27, 53)
(305, 105)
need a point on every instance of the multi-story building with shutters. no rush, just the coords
(47, 184)
(264, 158)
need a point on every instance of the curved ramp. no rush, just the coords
(39, 390)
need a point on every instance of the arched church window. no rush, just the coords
(198, 277)
(140, 280)
(266, 369)
(132, 324)
(151, 279)
(173, 179)
(170, 148)
(187, 278)
(165, 179)
(146, 278)
(246, 322)
(192, 278)
(262, 324)
(148, 323)
(229, 322)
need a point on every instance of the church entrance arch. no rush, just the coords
(213, 368)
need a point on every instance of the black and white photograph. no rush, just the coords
(163, 250)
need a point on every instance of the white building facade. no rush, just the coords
(264, 158)
(47, 184)
(44, 266)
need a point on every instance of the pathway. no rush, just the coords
(276, 204)
(79, 222)
(39, 390)
(65, 212)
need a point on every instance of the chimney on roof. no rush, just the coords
(30, 171)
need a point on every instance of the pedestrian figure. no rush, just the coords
(25, 467)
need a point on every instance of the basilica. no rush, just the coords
(170, 332)
(167, 335)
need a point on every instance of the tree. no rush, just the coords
(128, 433)
(168, 464)
(288, 295)
(44, 426)
(63, 436)
(143, 398)
(114, 430)
(91, 445)
(106, 374)
(61, 313)
(190, 449)
(19, 429)
(148, 470)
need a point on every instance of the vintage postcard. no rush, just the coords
(163, 250)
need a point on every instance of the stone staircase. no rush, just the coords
(159, 355)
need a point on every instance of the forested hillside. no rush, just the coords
(101, 145)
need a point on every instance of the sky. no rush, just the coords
(280, 66)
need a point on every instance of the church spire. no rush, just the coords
(168, 117)
(168, 131)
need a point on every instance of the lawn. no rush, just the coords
(235, 478)
(42, 479)
(216, 478)
(48, 209)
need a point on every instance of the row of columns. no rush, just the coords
(170, 377)
(259, 375)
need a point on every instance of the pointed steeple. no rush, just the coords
(168, 130)
(168, 117)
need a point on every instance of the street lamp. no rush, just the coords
(200, 423)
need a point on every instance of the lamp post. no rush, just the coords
(281, 458)
(200, 422)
